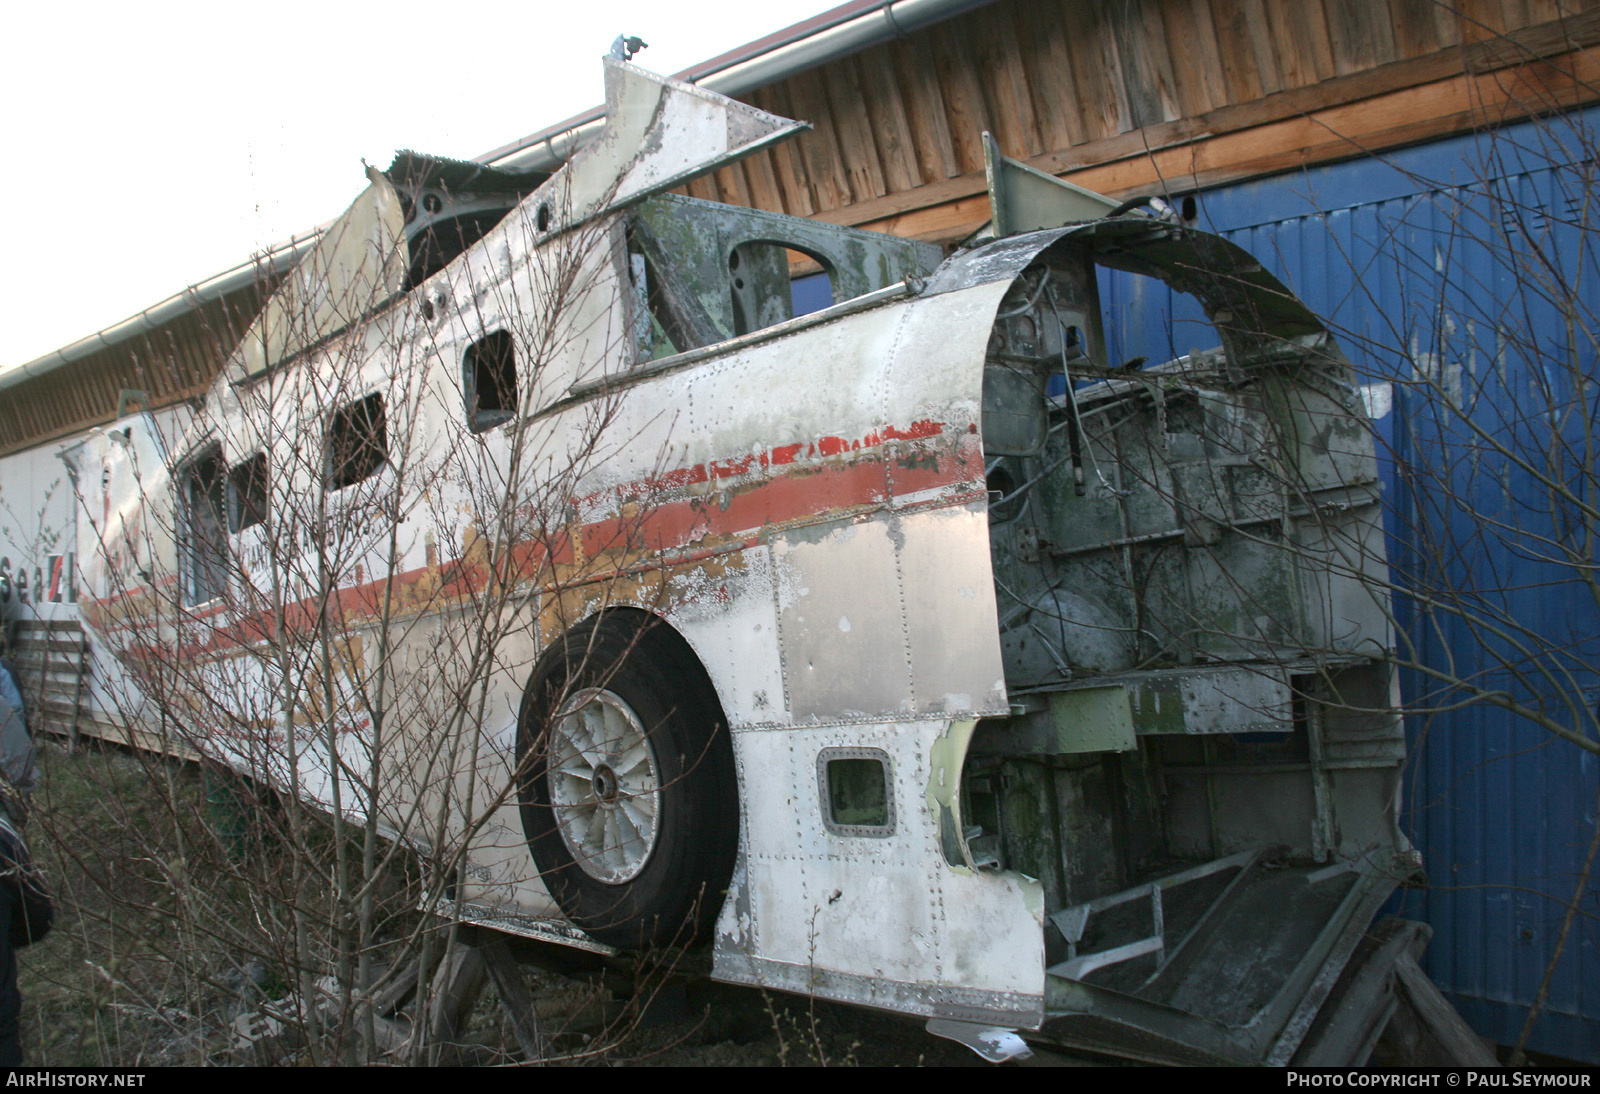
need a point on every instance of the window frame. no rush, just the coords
(824, 785)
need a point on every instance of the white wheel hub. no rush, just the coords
(604, 786)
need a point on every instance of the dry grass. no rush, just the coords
(130, 977)
(103, 989)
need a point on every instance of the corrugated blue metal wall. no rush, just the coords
(1468, 271)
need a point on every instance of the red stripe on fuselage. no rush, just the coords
(684, 515)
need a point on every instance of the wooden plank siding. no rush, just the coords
(1122, 96)
(171, 363)
(1131, 96)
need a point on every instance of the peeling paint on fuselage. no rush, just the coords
(810, 511)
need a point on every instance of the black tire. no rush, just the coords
(631, 893)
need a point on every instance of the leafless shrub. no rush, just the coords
(329, 587)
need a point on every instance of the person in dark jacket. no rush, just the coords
(25, 910)
(25, 918)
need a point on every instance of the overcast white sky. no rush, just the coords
(150, 146)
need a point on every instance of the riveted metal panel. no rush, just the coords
(950, 612)
(804, 894)
(838, 611)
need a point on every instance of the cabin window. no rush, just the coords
(247, 493)
(489, 381)
(855, 791)
(204, 543)
(358, 442)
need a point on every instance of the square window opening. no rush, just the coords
(856, 799)
(247, 493)
(489, 381)
(358, 442)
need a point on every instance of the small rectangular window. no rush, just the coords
(205, 545)
(247, 493)
(358, 442)
(856, 797)
(489, 381)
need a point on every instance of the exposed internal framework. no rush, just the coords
(449, 205)
(706, 272)
(1202, 766)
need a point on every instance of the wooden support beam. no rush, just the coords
(1426, 1031)
(514, 997)
(457, 983)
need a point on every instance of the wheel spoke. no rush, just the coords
(627, 831)
(641, 821)
(595, 749)
(577, 766)
(618, 729)
(576, 791)
(643, 805)
(611, 851)
(577, 824)
(577, 728)
(636, 757)
(594, 837)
